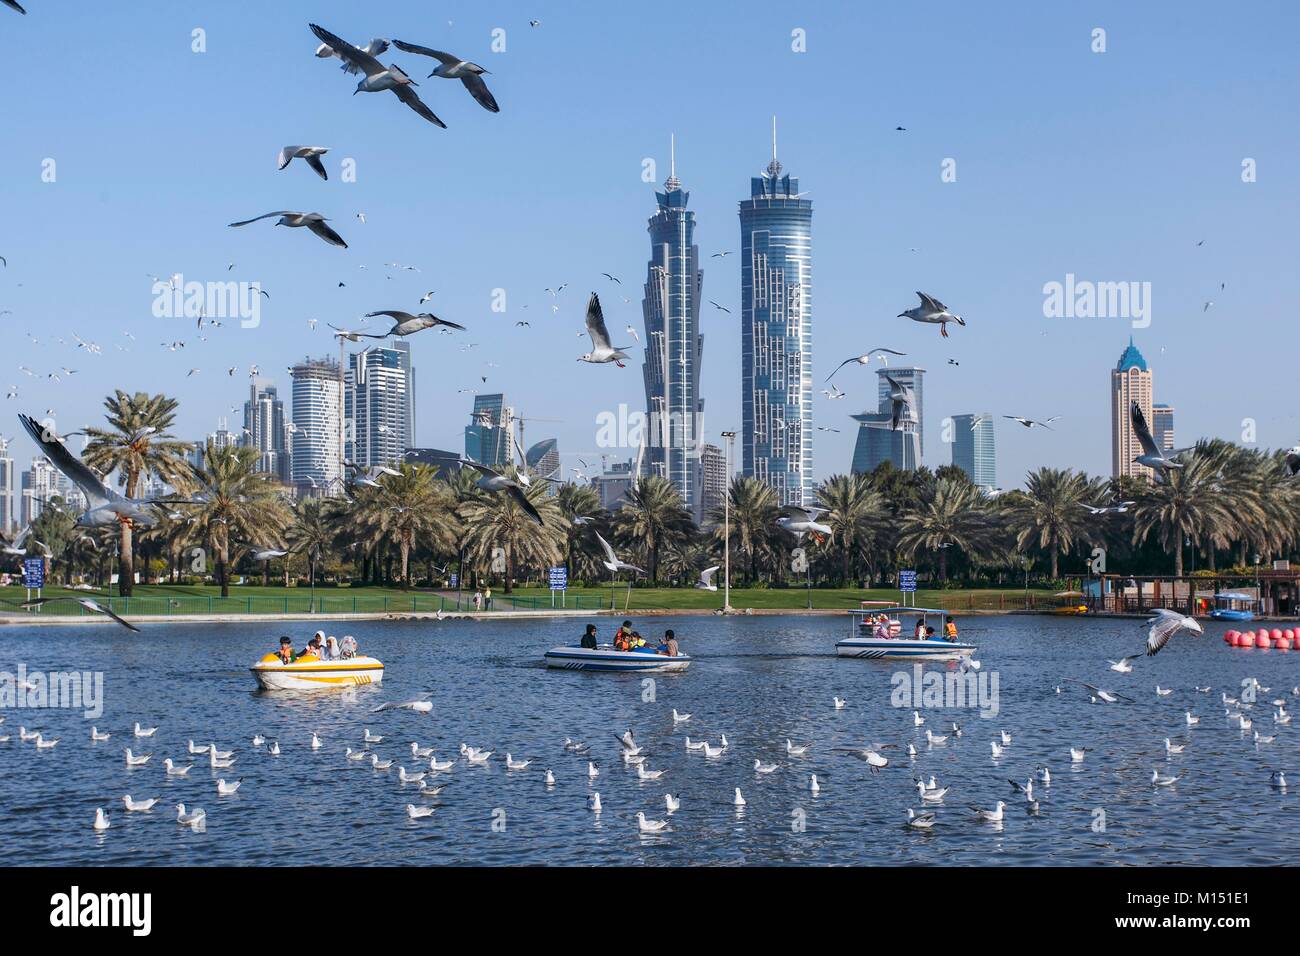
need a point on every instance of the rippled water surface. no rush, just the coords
(759, 680)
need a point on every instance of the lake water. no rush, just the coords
(759, 680)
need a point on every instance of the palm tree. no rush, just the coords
(239, 505)
(137, 445)
(581, 501)
(312, 532)
(754, 511)
(1182, 506)
(412, 503)
(493, 520)
(1049, 514)
(855, 512)
(955, 514)
(652, 518)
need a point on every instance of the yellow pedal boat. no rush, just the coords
(311, 673)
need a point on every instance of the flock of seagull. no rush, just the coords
(429, 774)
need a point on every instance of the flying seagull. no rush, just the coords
(1165, 625)
(312, 220)
(454, 68)
(89, 605)
(601, 351)
(310, 154)
(495, 481)
(375, 47)
(799, 521)
(863, 359)
(1107, 696)
(105, 506)
(902, 403)
(612, 561)
(1031, 423)
(934, 312)
(1152, 455)
(404, 323)
(377, 77)
(706, 579)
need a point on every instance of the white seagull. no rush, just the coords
(309, 154)
(863, 359)
(454, 68)
(377, 77)
(601, 349)
(1165, 625)
(933, 312)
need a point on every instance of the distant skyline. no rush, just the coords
(1111, 167)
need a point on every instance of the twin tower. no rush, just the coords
(776, 339)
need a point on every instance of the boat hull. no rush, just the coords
(602, 659)
(875, 648)
(318, 675)
(1223, 614)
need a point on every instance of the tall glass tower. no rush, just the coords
(973, 450)
(776, 334)
(674, 345)
(379, 404)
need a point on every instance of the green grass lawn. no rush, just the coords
(255, 599)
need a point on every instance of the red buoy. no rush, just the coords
(1262, 639)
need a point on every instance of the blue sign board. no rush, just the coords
(34, 573)
(455, 579)
(558, 577)
(907, 580)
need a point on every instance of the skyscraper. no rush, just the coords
(266, 430)
(1162, 426)
(877, 441)
(673, 344)
(972, 448)
(776, 334)
(1130, 381)
(714, 465)
(379, 404)
(543, 458)
(489, 436)
(8, 520)
(317, 420)
(40, 484)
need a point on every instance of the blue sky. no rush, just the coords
(1109, 166)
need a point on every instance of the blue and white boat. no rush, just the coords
(605, 658)
(862, 641)
(1234, 606)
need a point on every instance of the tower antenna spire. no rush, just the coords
(774, 167)
(672, 182)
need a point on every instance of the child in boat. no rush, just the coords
(669, 646)
(589, 638)
(950, 629)
(285, 653)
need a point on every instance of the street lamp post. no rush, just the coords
(726, 525)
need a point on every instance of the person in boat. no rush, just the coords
(589, 638)
(348, 646)
(313, 645)
(929, 634)
(285, 653)
(669, 646)
(919, 633)
(623, 637)
(331, 649)
(949, 629)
